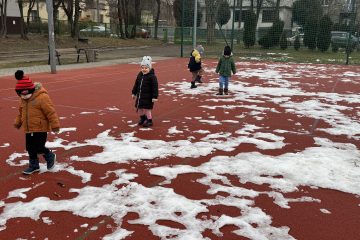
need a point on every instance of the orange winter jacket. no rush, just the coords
(37, 114)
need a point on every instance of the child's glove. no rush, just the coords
(17, 126)
(56, 130)
(133, 96)
(154, 100)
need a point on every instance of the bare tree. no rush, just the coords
(68, 7)
(259, 4)
(72, 11)
(22, 23)
(116, 14)
(157, 19)
(125, 14)
(24, 28)
(3, 12)
(136, 17)
(56, 5)
(120, 19)
(211, 8)
(31, 4)
(277, 10)
(75, 32)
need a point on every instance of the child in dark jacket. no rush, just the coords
(146, 92)
(37, 116)
(224, 67)
(194, 65)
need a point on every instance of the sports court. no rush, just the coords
(278, 158)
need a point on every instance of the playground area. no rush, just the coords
(278, 158)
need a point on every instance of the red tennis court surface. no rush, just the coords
(278, 158)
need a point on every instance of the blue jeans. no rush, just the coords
(224, 82)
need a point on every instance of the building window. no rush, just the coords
(268, 16)
(34, 14)
(237, 15)
(325, 2)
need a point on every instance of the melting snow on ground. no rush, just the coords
(325, 164)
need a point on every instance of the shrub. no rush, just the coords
(310, 32)
(265, 41)
(249, 29)
(324, 34)
(272, 37)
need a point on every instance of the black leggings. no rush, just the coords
(35, 143)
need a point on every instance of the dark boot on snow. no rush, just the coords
(50, 160)
(220, 92)
(33, 167)
(193, 85)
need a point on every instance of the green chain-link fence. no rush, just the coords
(322, 29)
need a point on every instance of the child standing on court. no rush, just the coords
(224, 67)
(194, 65)
(146, 92)
(37, 116)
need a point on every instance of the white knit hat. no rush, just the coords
(200, 49)
(146, 61)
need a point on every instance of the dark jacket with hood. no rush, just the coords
(145, 89)
(194, 61)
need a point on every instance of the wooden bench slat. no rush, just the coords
(73, 51)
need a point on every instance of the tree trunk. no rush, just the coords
(259, 4)
(211, 7)
(27, 25)
(75, 33)
(55, 10)
(69, 11)
(120, 18)
(22, 23)
(240, 20)
(157, 19)
(125, 9)
(136, 17)
(277, 10)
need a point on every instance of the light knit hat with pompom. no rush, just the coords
(146, 61)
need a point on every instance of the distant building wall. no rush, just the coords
(13, 18)
(88, 14)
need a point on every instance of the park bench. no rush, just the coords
(83, 40)
(90, 54)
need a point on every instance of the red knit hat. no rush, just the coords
(24, 83)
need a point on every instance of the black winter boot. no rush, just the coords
(142, 119)
(220, 92)
(33, 167)
(50, 160)
(198, 79)
(226, 91)
(193, 85)
(148, 123)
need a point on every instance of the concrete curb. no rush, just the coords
(46, 68)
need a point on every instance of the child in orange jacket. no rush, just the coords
(37, 116)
